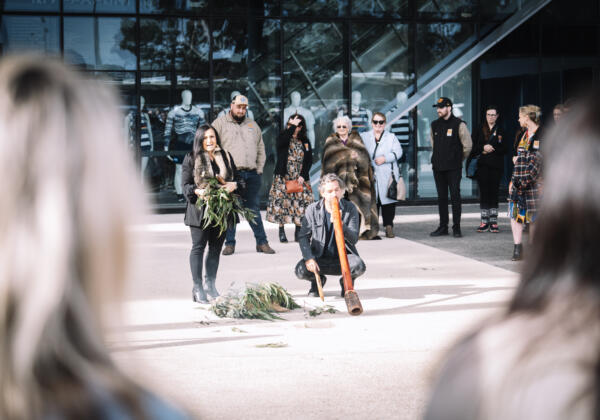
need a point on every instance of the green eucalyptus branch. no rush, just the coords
(220, 206)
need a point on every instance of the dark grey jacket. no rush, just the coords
(312, 233)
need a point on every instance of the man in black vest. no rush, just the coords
(451, 143)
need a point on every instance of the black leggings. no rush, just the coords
(388, 212)
(488, 179)
(200, 237)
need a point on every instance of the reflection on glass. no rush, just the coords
(314, 7)
(32, 5)
(164, 6)
(241, 7)
(22, 33)
(180, 43)
(381, 8)
(313, 68)
(447, 9)
(497, 10)
(100, 6)
(156, 169)
(382, 79)
(99, 43)
(458, 89)
(438, 44)
(245, 60)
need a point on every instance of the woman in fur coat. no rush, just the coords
(345, 155)
(207, 160)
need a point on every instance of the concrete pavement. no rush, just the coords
(418, 294)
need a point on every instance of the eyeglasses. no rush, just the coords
(342, 126)
(492, 115)
(378, 122)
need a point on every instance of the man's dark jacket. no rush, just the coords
(312, 233)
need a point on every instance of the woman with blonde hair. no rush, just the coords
(524, 188)
(69, 194)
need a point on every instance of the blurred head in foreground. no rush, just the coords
(68, 196)
(540, 359)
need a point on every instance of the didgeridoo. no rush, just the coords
(350, 295)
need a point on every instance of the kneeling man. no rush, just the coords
(317, 238)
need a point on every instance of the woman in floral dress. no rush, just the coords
(294, 159)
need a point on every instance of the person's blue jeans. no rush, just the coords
(250, 199)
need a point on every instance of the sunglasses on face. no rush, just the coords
(342, 126)
(378, 122)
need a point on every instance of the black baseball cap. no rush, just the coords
(442, 102)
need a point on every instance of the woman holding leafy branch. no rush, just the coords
(209, 177)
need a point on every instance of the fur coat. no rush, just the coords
(358, 176)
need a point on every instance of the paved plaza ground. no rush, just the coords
(418, 294)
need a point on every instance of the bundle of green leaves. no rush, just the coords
(221, 206)
(257, 301)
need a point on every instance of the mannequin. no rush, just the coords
(402, 129)
(146, 138)
(225, 110)
(360, 116)
(296, 108)
(181, 125)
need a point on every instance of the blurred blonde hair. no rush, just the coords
(69, 194)
(533, 112)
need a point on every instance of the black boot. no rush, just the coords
(282, 237)
(210, 288)
(314, 289)
(296, 233)
(517, 252)
(198, 294)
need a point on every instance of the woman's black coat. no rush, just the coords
(193, 216)
(497, 141)
(283, 144)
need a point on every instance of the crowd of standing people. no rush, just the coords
(367, 165)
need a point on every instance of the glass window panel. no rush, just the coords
(246, 60)
(241, 7)
(165, 6)
(158, 171)
(381, 8)
(22, 33)
(459, 90)
(100, 6)
(464, 9)
(498, 10)
(382, 77)
(313, 72)
(32, 5)
(182, 44)
(438, 45)
(100, 43)
(314, 7)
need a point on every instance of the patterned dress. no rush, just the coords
(287, 208)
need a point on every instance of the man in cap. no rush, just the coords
(242, 137)
(451, 143)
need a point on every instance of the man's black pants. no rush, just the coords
(445, 180)
(331, 266)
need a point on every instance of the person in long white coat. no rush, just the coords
(385, 150)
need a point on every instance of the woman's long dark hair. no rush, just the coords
(198, 146)
(566, 244)
(302, 135)
(563, 265)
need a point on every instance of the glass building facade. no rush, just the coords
(325, 57)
